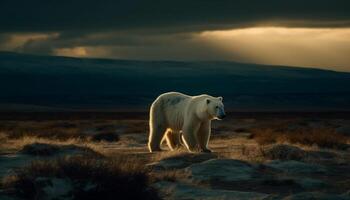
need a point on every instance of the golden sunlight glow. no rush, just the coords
(74, 52)
(326, 48)
(84, 51)
(314, 47)
(19, 40)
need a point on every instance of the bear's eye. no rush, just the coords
(216, 107)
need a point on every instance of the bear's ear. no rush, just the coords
(208, 101)
(220, 98)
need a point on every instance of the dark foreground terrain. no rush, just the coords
(95, 155)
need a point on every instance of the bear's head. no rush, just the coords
(215, 108)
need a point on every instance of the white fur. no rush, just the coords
(178, 117)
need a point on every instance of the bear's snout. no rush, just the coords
(221, 113)
(222, 116)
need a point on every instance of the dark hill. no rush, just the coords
(42, 82)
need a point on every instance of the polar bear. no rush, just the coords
(182, 118)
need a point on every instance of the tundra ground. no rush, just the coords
(258, 156)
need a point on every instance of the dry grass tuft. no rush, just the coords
(15, 145)
(322, 137)
(55, 130)
(106, 130)
(169, 175)
(251, 153)
(283, 152)
(263, 153)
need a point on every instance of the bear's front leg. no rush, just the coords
(203, 136)
(189, 136)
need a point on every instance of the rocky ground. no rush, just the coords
(243, 165)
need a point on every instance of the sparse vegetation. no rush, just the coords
(28, 145)
(89, 177)
(58, 130)
(325, 137)
(283, 152)
(103, 159)
(168, 175)
(45, 149)
(66, 130)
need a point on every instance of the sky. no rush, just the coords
(312, 33)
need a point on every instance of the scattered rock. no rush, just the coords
(184, 191)
(222, 170)
(322, 154)
(322, 157)
(297, 167)
(283, 152)
(289, 184)
(12, 161)
(310, 184)
(275, 181)
(54, 188)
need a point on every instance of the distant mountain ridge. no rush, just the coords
(79, 83)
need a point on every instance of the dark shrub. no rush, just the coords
(106, 136)
(43, 149)
(90, 178)
(40, 149)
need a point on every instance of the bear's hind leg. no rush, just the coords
(173, 139)
(155, 137)
(157, 126)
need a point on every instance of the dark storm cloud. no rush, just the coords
(106, 39)
(21, 15)
(182, 30)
